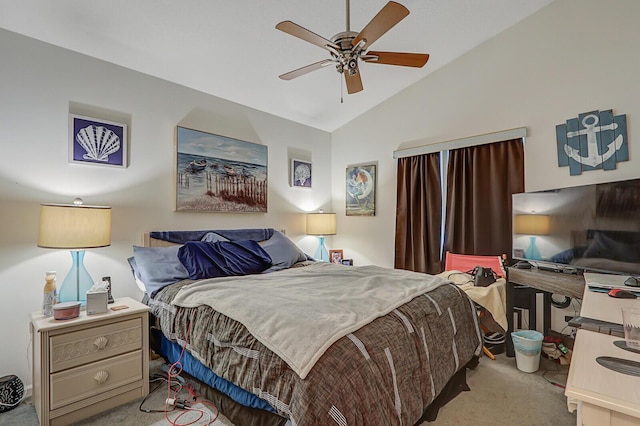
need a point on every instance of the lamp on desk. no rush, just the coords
(321, 224)
(532, 225)
(75, 227)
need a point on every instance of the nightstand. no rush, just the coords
(89, 364)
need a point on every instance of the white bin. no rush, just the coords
(527, 345)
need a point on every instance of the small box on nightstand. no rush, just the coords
(96, 302)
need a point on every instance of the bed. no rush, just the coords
(392, 347)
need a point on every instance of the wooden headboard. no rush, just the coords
(147, 241)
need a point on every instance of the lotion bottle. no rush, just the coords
(49, 293)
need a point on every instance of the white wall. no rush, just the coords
(571, 57)
(38, 84)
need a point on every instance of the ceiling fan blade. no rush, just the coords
(354, 82)
(306, 35)
(306, 69)
(387, 18)
(397, 58)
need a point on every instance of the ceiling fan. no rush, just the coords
(348, 47)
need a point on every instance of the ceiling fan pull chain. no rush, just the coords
(341, 90)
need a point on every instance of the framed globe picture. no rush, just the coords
(300, 173)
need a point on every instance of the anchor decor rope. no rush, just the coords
(593, 140)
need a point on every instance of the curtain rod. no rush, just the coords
(504, 135)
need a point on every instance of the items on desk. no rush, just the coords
(605, 289)
(621, 365)
(599, 326)
(632, 282)
(621, 293)
(623, 345)
(523, 264)
(631, 324)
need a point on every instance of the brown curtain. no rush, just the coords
(418, 214)
(480, 181)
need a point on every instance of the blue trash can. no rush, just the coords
(527, 345)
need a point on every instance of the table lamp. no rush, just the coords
(321, 224)
(532, 225)
(75, 227)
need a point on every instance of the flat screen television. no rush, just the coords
(590, 228)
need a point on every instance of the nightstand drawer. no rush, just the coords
(93, 344)
(84, 382)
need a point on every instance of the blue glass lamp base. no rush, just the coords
(77, 282)
(321, 253)
(532, 251)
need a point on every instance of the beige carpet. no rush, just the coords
(500, 395)
(503, 395)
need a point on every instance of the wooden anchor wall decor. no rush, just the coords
(593, 140)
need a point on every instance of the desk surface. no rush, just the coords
(590, 382)
(600, 305)
(552, 282)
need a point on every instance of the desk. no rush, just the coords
(539, 281)
(605, 397)
(599, 305)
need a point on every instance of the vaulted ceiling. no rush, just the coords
(231, 49)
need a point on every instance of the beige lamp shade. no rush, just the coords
(64, 226)
(321, 224)
(532, 224)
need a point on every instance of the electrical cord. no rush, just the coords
(154, 378)
(175, 385)
(460, 273)
(561, 305)
(173, 373)
(544, 376)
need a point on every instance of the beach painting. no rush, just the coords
(219, 174)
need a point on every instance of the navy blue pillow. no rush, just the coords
(223, 258)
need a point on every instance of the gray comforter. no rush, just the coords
(384, 373)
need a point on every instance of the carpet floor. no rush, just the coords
(500, 395)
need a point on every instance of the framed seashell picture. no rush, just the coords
(300, 173)
(96, 141)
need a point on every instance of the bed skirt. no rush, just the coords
(245, 408)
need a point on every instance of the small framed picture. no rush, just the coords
(335, 256)
(96, 141)
(347, 262)
(300, 173)
(518, 253)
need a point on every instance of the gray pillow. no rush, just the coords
(212, 237)
(283, 252)
(158, 267)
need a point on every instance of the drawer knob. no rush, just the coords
(101, 342)
(101, 376)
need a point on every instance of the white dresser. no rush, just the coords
(602, 396)
(89, 364)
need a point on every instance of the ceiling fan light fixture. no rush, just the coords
(347, 47)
